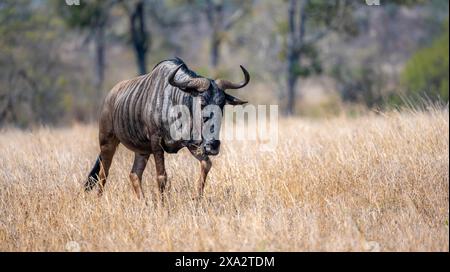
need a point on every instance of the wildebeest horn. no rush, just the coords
(200, 84)
(225, 84)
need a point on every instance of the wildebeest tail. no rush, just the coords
(93, 176)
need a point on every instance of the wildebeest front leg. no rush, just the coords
(161, 176)
(205, 166)
(140, 161)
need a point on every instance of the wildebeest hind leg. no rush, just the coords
(93, 176)
(140, 161)
(107, 149)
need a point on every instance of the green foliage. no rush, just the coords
(85, 15)
(35, 84)
(320, 18)
(336, 15)
(407, 2)
(359, 84)
(311, 64)
(427, 73)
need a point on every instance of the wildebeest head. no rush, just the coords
(212, 98)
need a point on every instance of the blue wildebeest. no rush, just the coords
(136, 113)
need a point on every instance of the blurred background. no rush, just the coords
(313, 58)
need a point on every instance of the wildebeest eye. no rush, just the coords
(221, 100)
(203, 101)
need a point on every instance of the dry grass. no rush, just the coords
(371, 183)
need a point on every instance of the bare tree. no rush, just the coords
(140, 36)
(138, 12)
(220, 23)
(99, 41)
(30, 77)
(92, 17)
(303, 36)
(295, 38)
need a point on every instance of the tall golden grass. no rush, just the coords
(374, 183)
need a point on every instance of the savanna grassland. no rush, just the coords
(373, 183)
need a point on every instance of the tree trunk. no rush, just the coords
(294, 50)
(291, 58)
(141, 62)
(139, 36)
(291, 84)
(99, 58)
(215, 50)
(215, 18)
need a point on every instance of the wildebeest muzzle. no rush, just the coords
(212, 147)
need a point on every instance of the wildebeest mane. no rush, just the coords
(184, 69)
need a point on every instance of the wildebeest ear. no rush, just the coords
(231, 100)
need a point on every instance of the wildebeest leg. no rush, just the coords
(108, 147)
(205, 166)
(161, 176)
(140, 161)
(101, 167)
(93, 176)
